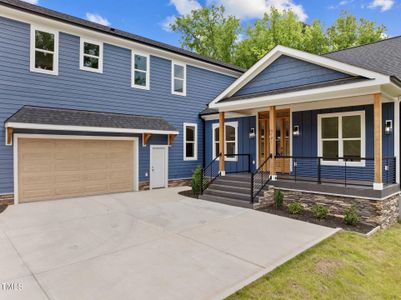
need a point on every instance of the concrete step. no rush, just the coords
(228, 194)
(227, 201)
(233, 189)
(226, 182)
(236, 178)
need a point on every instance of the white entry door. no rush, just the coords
(158, 166)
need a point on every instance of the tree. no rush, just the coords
(209, 32)
(347, 32)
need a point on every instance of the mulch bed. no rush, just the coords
(188, 193)
(3, 208)
(330, 221)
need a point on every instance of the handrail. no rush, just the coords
(264, 181)
(212, 177)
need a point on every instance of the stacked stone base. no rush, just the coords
(7, 199)
(375, 212)
(172, 183)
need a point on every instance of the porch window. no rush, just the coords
(190, 141)
(231, 140)
(341, 136)
(44, 51)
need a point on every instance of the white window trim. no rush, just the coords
(33, 49)
(184, 93)
(82, 54)
(195, 157)
(216, 125)
(147, 86)
(340, 139)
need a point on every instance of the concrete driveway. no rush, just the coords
(146, 245)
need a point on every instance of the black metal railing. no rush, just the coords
(347, 171)
(237, 163)
(210, 173)
(259, 179)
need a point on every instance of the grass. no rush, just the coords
(345, 266)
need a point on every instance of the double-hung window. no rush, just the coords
(190, 141)
(342, 137)
(231, 140)
(140, 71)
(44, 51)
(178, 79)
(91, 58)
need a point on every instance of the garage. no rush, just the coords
(62, 168)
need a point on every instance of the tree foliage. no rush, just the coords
(208, 31)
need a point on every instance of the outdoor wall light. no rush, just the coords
(252, 133)
(388, 127)
(296, 131)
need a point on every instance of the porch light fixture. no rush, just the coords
(296, 131)
(252, 133)
(388, 127)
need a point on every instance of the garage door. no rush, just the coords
(62, 168)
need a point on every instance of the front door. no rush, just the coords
(282, 140)
(158, 167)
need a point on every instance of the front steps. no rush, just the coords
(232, 189)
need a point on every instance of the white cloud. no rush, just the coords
(383, 4)
(97, 19)
(167, 22)
(251, 9)
(184, 7)
(32, 1)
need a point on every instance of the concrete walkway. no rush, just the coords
(147, 245)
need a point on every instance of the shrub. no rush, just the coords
(196, 180)
(320, 211)
(295, 208)
(278, 199)
(351, 216)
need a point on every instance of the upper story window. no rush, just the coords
(44, 51)
(342, 135)
(179, 79)
(231, 140)
(91, 58)
(140, 70)
(190, 141)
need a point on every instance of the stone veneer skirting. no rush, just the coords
(7, 199)
(376, 212)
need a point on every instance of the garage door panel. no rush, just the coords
(51, 169)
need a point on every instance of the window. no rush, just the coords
(140, 71)
(91, 58)
(178, 79)
(44, 51)
(231, 140)
(190, 141)
(342, 135)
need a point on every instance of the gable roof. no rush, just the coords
(80, 118)
(48, 13)
(278, 51)
(382, 56)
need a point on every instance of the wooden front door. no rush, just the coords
(282, 140)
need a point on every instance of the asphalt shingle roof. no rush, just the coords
(71, 117)
(45, 12)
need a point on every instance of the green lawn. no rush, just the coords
(345, 266)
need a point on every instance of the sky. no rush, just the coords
(150, 18)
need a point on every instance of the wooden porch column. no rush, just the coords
(272, 141)
(378, 156)
(221, 142)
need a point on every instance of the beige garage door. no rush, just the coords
(62, 168)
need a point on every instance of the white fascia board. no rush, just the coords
(83, 128)
(333, 92)
(33, 19)
(278, 51)
(230, 115)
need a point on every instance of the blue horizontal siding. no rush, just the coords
(288, 72)
(108, 92)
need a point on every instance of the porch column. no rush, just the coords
(221, 143)
(378, 156)
(272, 141)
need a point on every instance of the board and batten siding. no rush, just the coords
(108, 92)
(287, 72)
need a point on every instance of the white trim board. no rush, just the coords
(166, 153)
(17, 136)
(278, 51)
(31, 18)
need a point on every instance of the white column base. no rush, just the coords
(378, 186)
(222, 173)
(273, 177)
